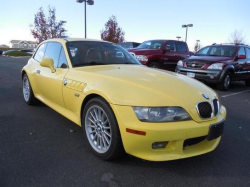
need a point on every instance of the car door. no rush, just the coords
(170, 58)
(36, 59)
(182, 50)
(241, 67)
(50, 84)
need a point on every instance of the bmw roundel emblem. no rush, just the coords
(205, 96)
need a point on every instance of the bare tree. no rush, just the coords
(236, 37)
(112, 32)
(46, 28)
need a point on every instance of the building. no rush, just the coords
(23, 44)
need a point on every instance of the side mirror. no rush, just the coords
(49, 63)
(242, 57)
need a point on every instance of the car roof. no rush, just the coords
(164, 40)
(75, 39)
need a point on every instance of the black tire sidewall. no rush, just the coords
(156, 64)
(221, 85)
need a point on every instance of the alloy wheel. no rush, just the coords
(26, 89)
(98, 129)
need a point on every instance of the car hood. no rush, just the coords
(208, 59)
(136, 85)
(139, 51)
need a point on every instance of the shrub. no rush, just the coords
(18, 53)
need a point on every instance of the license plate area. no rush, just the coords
(215, 131)
(189, 74)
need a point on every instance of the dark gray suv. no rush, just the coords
(218, 63)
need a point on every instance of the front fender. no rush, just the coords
(226, 69)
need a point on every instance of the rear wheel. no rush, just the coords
(28, 94)
(155, 65)
(225, 82)
(101, 129)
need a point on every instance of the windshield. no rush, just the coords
(86, 53)
(153, 44)
(223, 51)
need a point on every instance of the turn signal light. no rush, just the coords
(136, 132)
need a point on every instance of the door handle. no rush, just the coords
(65, 82)
(38, 71)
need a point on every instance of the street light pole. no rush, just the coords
(85, 19)
(186, 26)
(90, 2)
(178, 37)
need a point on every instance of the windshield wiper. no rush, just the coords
(128, 63)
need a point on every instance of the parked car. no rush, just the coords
(128, 45)
(162, 54)
(220, 64)
(121, 104)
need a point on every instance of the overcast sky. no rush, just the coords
(213, 20)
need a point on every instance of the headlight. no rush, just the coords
(216, 66)
(180, 63)
(161, 114)
(142, 58)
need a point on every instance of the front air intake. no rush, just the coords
(205, 110)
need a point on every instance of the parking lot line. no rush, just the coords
(235, 93)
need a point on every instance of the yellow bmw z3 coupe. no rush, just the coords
(122, 105)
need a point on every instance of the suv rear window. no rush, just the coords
(223, 51)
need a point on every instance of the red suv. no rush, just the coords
(218, 63)
(162, 54)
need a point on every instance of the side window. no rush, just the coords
(62, 60)
(241, 51)
(181, 47)
(40, 52)
(53, 51)
(248, 52)
(171, 45)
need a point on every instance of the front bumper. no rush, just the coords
(211, 76)
(177, 134)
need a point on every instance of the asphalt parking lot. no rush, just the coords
(39, 147)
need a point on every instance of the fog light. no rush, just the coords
(211, 76)
(158, 145)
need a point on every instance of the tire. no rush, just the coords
(101, 129)
(156, 65)
(225, 82)
(28, 94)
(247, 82)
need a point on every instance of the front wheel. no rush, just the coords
(225, 82)
(28, 95)
(101, 129)
(156, 65)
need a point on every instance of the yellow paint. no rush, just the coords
(124, 86)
